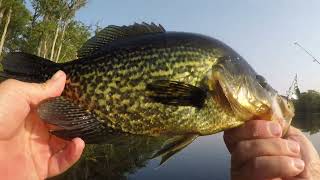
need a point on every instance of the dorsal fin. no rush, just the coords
(113, 33)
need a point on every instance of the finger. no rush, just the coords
(308, 152)
(64, 159)
(51, 88)
(254, 129)
(269, 167)
(33, 93)
(56, 144)
(250, 149)
(294, 178)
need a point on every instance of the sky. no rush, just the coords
(263, 32)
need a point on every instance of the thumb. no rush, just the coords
(36, 92)
(65, 158)
(17, 97)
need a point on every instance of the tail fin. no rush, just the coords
(27, 67)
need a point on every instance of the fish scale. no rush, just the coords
(171, 65)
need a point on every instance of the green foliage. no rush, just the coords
(308, 102)
(34, 33)
(33, 37)
(307, 122)
(18, 26)
(76, 35)
(307, 111)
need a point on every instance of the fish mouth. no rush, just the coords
(286, 111)
(242, 96)
(249, 101)
(219, 95)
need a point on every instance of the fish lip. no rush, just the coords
(272, 106)
(287, 112)
(240, 97)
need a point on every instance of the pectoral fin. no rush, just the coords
(173, 146)
(71, 120)
(176, 93)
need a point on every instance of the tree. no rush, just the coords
(4, 32)
(308, 102)
(14, 24)
(76, 34)
(49, 25)
(50, 31)
(69, 9)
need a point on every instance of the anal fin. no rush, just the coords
(173, 146)
(71, 120)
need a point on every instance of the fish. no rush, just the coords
(141, 80)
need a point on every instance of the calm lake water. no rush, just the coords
(206, 158)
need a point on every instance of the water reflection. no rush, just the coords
(307, 122)
(114, 161)
(206, 158)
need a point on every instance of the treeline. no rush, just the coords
(308, 102)
(46, 28)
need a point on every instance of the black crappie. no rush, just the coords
(142, 80)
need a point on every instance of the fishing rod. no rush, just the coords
(314, 59)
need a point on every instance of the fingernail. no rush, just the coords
(299, 164)
(293, 146)
(275, 129)
(57, 75)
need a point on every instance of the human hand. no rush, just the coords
(27, 149)
(259, 153)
